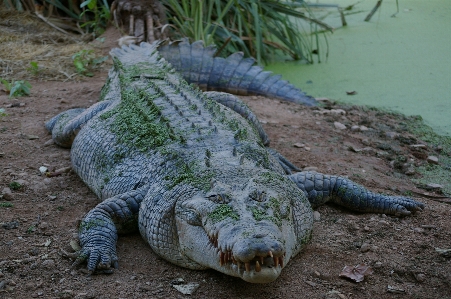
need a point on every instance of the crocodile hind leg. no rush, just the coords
(99, 229)
(241, 108)
(320, 188)
(65, 126)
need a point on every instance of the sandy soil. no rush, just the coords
(44, 214)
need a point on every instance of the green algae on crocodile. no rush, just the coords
(203, 196)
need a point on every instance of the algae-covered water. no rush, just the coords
(402, 63)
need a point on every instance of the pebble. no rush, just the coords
(420, 277)
(316, 216)
(363, 129)
(310, 168)
(391, 135)
(377, 265)
(299, 145)
(365, 247)
(187, 289)
(432, 160)
(339, 125)
(7, 194)
(48, 264)
(355, 128)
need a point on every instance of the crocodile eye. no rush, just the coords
(219, 198)
(257, 195)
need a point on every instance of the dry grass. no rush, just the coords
(27, 38)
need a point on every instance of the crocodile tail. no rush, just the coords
(234, 74)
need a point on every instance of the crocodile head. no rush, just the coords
(249, 231)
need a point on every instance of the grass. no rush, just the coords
(16, 88)
(258, 28)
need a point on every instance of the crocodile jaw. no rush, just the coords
(197, 246)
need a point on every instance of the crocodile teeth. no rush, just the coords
(276, 262)
(258, 268)
(270, 254)
(248, 267)
(221, 259)
(281, 261)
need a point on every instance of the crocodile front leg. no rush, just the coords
(99, 228)
(66, 125)
(321, 188)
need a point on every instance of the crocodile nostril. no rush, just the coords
(261, 235)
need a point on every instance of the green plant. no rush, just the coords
(258, 28)
(31, 229)
(15, 185)
(2, 113)
(6, 205)
(95, 16)
(85, 60)
(34, 68)
(16, 88)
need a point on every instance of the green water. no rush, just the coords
(401, 63)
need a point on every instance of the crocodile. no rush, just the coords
(193, 172)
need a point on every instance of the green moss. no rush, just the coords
(87, 225)
(222, 212)
(15, 185)
(137, 122)
(6, 205)
(189, 174)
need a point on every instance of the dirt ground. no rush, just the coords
(45, 210)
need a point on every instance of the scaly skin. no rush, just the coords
(192, 172)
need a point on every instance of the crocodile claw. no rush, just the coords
(99, 260)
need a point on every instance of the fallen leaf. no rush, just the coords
(356, 273)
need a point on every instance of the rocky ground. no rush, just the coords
(39, 214)
(39, 219)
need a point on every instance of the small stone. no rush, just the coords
(377, 265)
(418, 146)
(355, 128)
(366, 142)
(48, 264)
(339, 126)
(391, 135)
(432, 160)
(434, 186)
(365, 247)
(316, 216)
(43, 225)
(187, 289)
(133, 277)
(7, 194)
(307, 148)
(363, 128)
(366, 228)
(32, 137)
(299, 145)
(420, 277)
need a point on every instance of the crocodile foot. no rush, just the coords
(145, 19)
